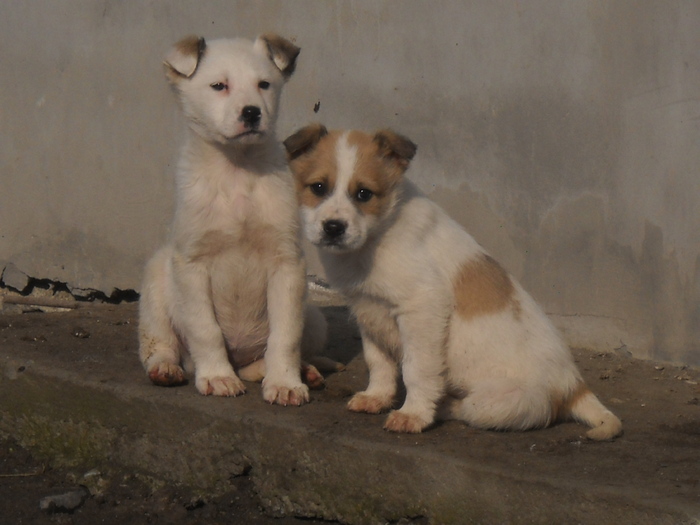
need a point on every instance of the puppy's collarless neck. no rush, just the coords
(253, 158)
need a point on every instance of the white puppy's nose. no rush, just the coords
(251, 116)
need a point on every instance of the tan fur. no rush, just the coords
(182, 60)
(282, 52)
(373, 173)
(482, 287)
(323, 171)
(259, 241)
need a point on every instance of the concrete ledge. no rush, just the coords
(86, 400)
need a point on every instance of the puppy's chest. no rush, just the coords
(246, 243)
(242, 220)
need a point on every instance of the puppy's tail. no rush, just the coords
(586, 408)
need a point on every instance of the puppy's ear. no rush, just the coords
(183, 58)
(281, 51)
(304, 140)
(395, 147)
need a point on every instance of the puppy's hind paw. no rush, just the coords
(312, 377)
(369, 404)
(166, 374)
(609, 429)
(286, 395)
(401, 422)
(326, 364)
(225, 386)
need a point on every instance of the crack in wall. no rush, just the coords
(17, 282)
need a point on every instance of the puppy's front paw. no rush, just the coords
(227, 386)
(401, 422)
(285, 395)
(166, 374)
(369, 404)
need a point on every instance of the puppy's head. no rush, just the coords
(347, 182)
(229, 89)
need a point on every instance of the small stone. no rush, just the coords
(95, 483)
(80, 333)
(67, 502)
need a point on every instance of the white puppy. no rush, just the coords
(471, 343)
(229, 286)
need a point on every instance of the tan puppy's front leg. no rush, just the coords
(383, 372)
(214, 374)
(285, 310)
(423, 364)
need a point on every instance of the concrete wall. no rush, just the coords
(564, 135)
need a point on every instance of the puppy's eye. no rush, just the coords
(264, 84)
(219, 86)
(318, 189)
(363, 195)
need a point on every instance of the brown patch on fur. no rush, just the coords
(396, 147)
(373, 173)
(482, 287)
(211, 244)
(380, 163)
(517, 309)
(303, 140)
(282, 52)
(252, 240)
(182, 60)
(377, 204)
(562, 404)
(316, 163)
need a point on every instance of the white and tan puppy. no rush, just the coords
(470, 343)
(229, 286)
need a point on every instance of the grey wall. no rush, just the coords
(563, 134)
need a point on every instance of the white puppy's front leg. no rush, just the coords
(423, 363)
(196, 321)
(383, 372)
(285, 309)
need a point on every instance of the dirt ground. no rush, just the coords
(118, 498)
(658, 403)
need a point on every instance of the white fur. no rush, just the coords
(229, 285)
(505, 369)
